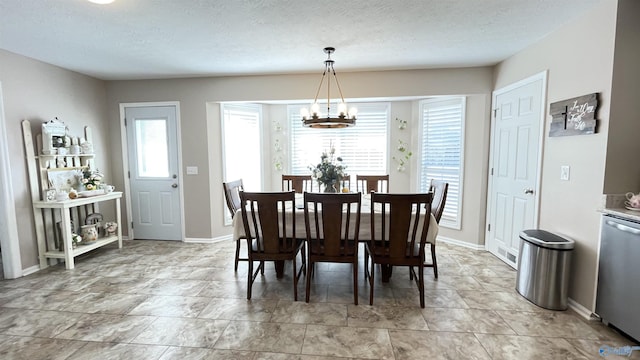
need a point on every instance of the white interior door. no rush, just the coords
(514, 165)
(152, 141)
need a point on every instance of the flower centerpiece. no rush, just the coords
(330, 171)
(91, 179)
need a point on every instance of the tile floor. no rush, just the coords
(171, 300)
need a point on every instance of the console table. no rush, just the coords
(65, 207)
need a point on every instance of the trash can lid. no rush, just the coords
(546, 239)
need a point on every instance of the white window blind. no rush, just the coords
(241, 144)
(442, 151)
(363, 147)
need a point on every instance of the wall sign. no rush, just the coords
(576, 116)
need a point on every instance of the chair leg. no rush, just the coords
(433, 259)
(308, 278)
(295, 280)
(249, 279)
(237, 254)
(421, 284)
(355, 282)
(371, 281)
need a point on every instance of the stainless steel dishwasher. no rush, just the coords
(618, 275)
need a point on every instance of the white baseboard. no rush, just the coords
(580, 310)
(30, 270)
(460, 243)
(209, 240)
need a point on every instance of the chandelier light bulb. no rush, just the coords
(353, 112)
(342, 109)
(304, 112)
(315, 109)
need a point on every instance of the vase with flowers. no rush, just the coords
(330, 171)
(91, 179)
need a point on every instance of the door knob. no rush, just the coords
(528, 191)
(174, 185)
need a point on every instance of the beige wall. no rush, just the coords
(39, 92)
(579, 60)
(201, 139)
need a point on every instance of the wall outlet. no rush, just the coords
(564, 172)
(192, 170)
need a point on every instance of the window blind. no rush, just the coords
(442, 141)
(363, 147)
(242, 146)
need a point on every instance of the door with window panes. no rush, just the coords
(153, 172)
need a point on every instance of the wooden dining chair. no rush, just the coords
(398, 236)
(439, 190)
(332, 223)
(271, 233)
(232, 196)
(297, 183)
(368, 183)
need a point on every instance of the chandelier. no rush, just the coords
(341, 118)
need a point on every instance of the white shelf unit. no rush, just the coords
(45, 220)
(65, 208)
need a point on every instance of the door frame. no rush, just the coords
(543, 100)
(125, 162)
(9, 240)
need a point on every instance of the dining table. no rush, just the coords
(364, 231)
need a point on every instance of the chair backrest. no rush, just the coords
(332, 223)
(268, 223)
(400, 224)
(439, 190)
(297, 183)
(369, 183)
(232, 195)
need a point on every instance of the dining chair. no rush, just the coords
(332, 223)
(439, 190)
(297, 183)
(399, 227)
(368, 183)
(232, 196)
(271, 233)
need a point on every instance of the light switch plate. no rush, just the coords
(564, 172)
(192, 170)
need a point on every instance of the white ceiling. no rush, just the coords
(144, 39)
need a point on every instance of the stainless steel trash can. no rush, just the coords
(543, 268)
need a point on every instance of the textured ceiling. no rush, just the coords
(144, 39)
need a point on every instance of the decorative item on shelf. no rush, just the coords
(54, 135)
(111, 227)
(91, 179)
(58, 240)
(94, 219)
(404, 154)
(89, 233)
(74, 149)
(73, 194)
(49, 195)
(87, 147)
(330, 171)
(75, 240)
(343, 117)
(402, 124)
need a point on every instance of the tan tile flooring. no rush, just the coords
(172, 300)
